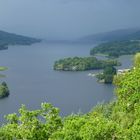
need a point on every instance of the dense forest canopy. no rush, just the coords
(117, 48)
(116, 120)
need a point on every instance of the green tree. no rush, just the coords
(109, 73)
(32, 125)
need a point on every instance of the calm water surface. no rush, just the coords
(32, 80)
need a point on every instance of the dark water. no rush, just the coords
(32, 80)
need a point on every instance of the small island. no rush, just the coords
(4, 91)
(117, 48)
(83, 64)
(3, 68)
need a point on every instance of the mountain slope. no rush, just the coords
(117, 35)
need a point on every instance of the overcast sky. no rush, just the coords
(67, 19)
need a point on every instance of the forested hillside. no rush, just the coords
(14, 39)
(117, 120)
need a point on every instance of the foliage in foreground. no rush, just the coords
(117, 120)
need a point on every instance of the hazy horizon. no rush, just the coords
(64, 19)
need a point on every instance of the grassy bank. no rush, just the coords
(3, 68)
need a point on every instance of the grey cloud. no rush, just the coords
(64, 19)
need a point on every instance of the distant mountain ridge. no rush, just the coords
(14, 39)
(116, 35)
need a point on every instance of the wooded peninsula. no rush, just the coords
(83, 63)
